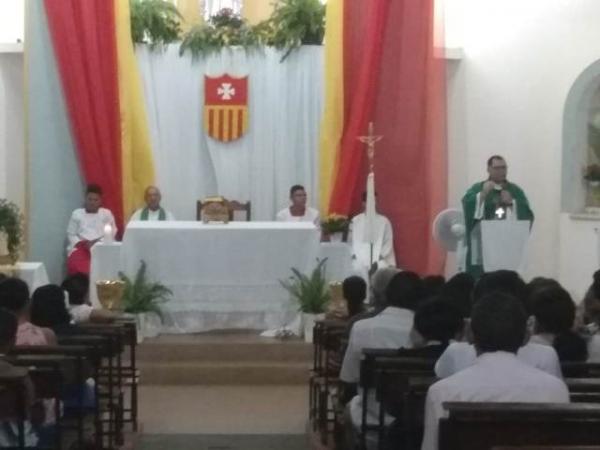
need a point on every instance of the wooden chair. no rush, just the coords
(482, 426)
(238, 211)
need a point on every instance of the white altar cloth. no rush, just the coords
(222, 276)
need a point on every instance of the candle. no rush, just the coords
(108, 233)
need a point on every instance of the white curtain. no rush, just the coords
(279, 149)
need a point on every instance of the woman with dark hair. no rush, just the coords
(49, 309)
(80, 309)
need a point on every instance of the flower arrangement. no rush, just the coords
(335, 223)
(592, 172)
(11, 224)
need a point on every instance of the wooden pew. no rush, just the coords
(13, 400)
(482, 426)
(580, 369)
(562, 447)
(386, 374)
(323, 382)
(52, 368)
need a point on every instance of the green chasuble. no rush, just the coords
(469, 203)
(162, 215)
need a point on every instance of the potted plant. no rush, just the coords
(312, 294)
(11, 232)
(336, 227)
(296, 23)
(591, 175)
(144, 298)
(224, 29)
(154, 22)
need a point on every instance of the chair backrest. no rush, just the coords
(482, 426)
(238, 211)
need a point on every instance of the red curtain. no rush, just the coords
(364, 27)
(393, 79)
(84, 41)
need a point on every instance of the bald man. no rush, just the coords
(152, 210)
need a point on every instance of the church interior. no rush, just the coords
(300, 224)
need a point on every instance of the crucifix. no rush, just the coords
(369, 140)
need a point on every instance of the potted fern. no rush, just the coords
(312, 294)
(154, 22)
(144, 298)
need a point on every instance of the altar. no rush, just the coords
(222, 276)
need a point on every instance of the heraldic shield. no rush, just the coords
(225, 107)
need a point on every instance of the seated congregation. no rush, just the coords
(436, 364)
(68, 377)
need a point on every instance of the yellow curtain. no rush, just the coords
(136, 151)
(332, 125)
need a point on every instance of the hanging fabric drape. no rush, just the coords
(84, 41)
(392, 77)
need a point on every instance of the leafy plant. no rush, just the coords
(335, 223)
(11, 223)
(155, 22)
(311, 292)
(296, 23)
(141, 295)
(224, 29)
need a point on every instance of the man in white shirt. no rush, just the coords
(391, 328)
(87, 226)
(152, 211)
(298, 211)
(498, 323)
(383, 247)
(460, 355)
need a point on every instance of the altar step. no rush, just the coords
(223, 359)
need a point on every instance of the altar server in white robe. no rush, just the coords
(152, 211)
(298, 211)
(87, 226)
(376, 230)
(498, 322)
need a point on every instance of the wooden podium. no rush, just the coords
(504, 244)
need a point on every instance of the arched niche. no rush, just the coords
(581, 114)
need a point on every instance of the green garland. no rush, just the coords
(224, 29)
(11, 222)
(292, 24)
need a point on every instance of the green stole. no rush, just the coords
(492, 200)
(161, 214)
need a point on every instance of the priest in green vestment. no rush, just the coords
(152, 211)
(493, 199)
